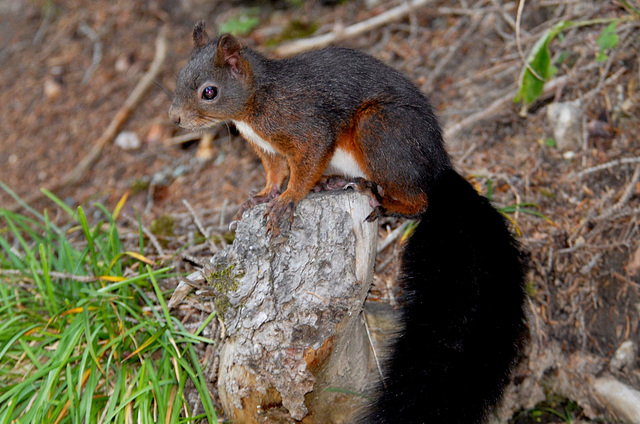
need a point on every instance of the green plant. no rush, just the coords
(608, 39)
(241, 24)
(295, 29)
(539, 68)
(549, 411)
(528, 208)
(85, 334)
(163, 226)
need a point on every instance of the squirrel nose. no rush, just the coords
(174, 115)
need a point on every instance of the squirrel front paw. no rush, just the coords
(254, 199)
(280, 216)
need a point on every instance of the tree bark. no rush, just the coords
(296, 346)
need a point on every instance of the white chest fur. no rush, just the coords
(343, 163)
(248, 133)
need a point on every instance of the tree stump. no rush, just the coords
(296, 346)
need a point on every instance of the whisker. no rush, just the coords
(207, 120)
(164, 90)
(228, 132)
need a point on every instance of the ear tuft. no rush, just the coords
(200, 36)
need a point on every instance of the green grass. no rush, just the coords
(85, 334)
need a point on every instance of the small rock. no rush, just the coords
(124, 62)
(128, 140)
(566, 122)
(624, 357)
(620, 399)
(52, 88)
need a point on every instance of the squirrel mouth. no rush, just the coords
(199, 123)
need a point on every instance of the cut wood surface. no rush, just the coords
(296, 343)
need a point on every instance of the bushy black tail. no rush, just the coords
(464, 323)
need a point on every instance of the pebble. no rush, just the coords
(625, 357)
(128, 140)
(565, 120)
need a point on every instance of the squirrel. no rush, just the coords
(337, 111)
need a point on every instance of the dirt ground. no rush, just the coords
(68, 66)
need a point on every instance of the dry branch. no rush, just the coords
(116, 123)
(54, 274)
(612, 164)
(324, 40)
(497, 107)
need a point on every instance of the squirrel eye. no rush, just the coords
(209, 93)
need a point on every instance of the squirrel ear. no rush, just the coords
(200, 36)
(228, 52)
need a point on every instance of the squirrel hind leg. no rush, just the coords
(404, 204)
(383, 132)
(361, 185)
(369, 188)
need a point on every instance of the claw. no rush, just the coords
(377, 212)
(280, 215)
(256, 199)
(330, 183)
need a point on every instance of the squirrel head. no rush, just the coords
(215, 85)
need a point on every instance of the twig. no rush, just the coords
(453, 50)
(603, 80)
(116, 123)
(495, 72)
(383, 265)
(148, 233)
(324, 40)
(466, 154)
(44, 25)
(628, 192)
(586, 269)
(505, 16)
(222, 211)
(196, 220)
(606, 199)
(623, 213)
(462, 11)
(515, 194)
(519, 43)
(54, 274)
(496, 107)
(97, 51)
(188, 254)
(373, 348)
(393, 236)
(608, 165)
